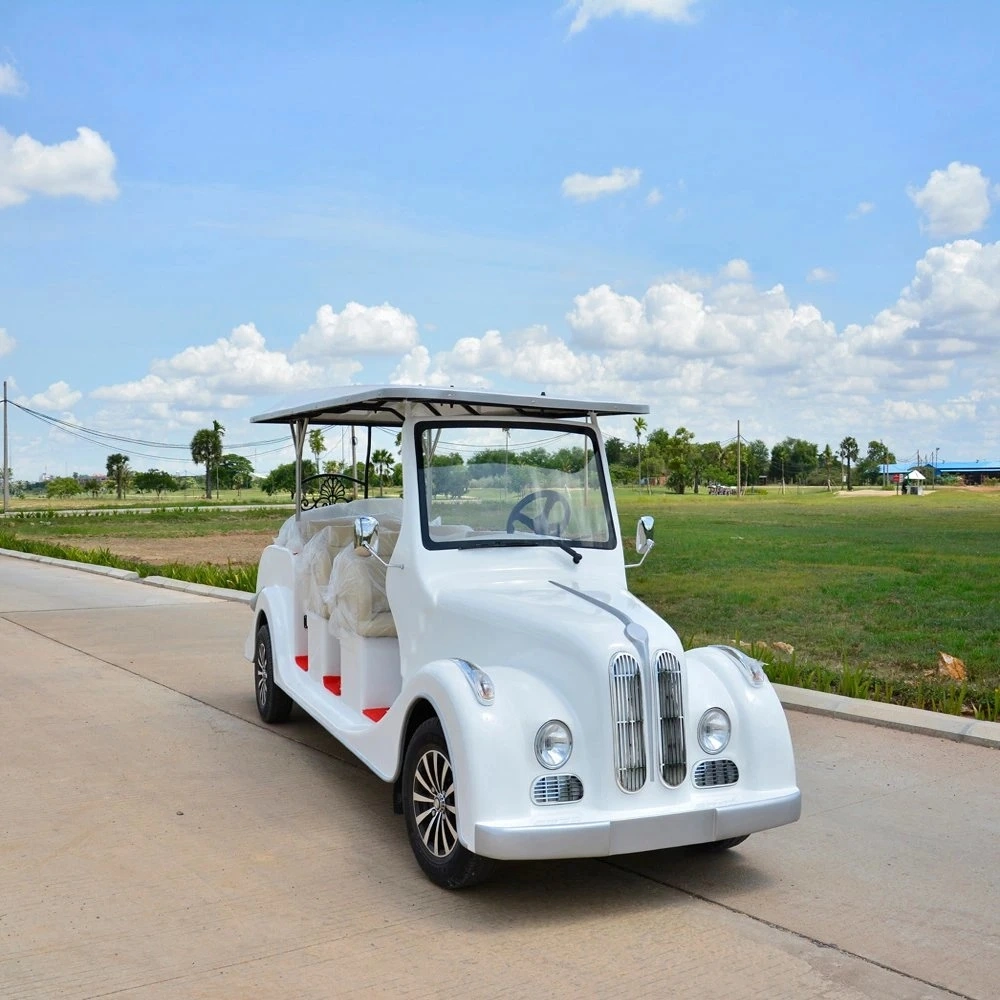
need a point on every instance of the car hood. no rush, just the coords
(553, 615)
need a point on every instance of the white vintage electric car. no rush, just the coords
(474, 642)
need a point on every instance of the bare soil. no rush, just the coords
(237, 547)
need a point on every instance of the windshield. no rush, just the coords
(493, 484)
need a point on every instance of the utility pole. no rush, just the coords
(739, 463)
(6, 487)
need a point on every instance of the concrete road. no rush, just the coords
(156, 841)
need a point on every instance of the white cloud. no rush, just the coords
(7, 342)
(737, 270)
(661, 10)
(954, 201)
(83, 166)
(821, 275)
(358, 329)
(587, 187)
(654, 197)
(951, 308)
(862, 208)
(225, 374)
(58, 396)
(11, 83)
(533, 357)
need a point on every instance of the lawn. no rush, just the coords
(866, 588)
(881, 582)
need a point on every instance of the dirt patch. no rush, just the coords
(237, 547)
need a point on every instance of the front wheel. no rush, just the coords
(273, 704)
(430, 809)
(723, 845)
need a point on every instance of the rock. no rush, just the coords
(951, 666)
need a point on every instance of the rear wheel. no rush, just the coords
(272, 703)
(430, 809)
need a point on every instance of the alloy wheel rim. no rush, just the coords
(434, 803)
(261, 674)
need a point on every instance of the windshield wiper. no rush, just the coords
(567, 548)
(500, 543)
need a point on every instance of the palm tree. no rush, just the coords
(206, 449)
(316, 444)
(382, 460)
(640, 429)
(118, 471)
(849, 451)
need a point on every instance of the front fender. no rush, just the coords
(760, 728)
(491, 746)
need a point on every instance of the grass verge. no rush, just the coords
(232, 577)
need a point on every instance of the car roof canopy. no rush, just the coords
(386, 405)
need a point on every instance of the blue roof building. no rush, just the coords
(972, 472)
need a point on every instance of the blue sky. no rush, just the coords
(778, 214)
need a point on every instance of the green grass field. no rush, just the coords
(877, 582)
(867, 589)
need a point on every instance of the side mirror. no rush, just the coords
(644, 534)
(366, 534)
(643, 539)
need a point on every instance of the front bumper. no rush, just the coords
(635, 833)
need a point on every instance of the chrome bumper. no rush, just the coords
(639, 833)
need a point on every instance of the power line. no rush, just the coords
(104, 438)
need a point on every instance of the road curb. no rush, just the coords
(875, 713)
(117, 574)
(879, 713)
(222, 593)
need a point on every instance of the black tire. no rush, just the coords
(272, 703)
(429, 807)
(724, 845)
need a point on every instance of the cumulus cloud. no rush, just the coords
(950, 308)
(358, 329)
(534, 357)
(862, 208)
(821, 275)
(7, 342)
(11, 83)
(83, 166)
(737, 270)
(728, 325)
(654, 197)
(661, 10)
(226, 374)
(954, 201)
(587, 187)
(58, 396)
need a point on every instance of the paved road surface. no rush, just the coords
(157, 841)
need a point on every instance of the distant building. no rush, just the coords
(972, 473)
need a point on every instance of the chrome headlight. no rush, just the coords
(714, 730)
(553, 744)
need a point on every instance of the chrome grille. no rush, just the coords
(627, 718)
(709, 773)
(670, 706)
(551, 789)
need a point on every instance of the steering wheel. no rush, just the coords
(543, 522)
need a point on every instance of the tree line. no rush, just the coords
(675, 460)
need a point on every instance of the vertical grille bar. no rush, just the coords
(629, 724)
(670, 707)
